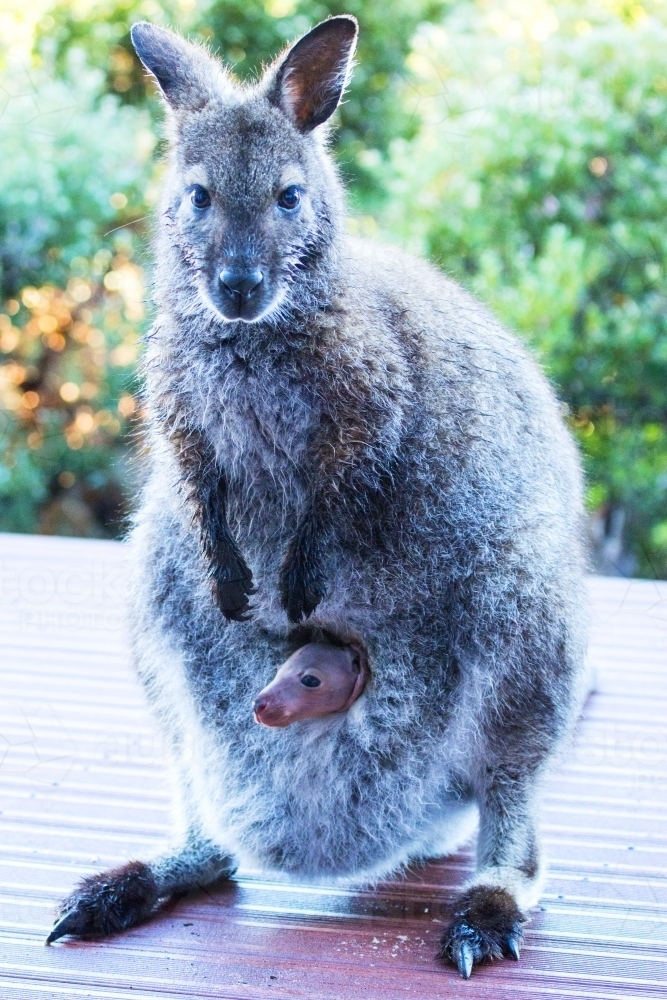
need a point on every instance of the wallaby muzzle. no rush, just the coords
(240, 292)
(245, 293)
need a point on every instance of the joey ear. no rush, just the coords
(309, 81)
(187, 75)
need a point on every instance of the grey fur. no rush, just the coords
(373, 444)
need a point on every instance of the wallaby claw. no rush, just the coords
(69, 923)
(512, 946)
(464, 959)
(232, 596)
(243, 614)
(300, 601)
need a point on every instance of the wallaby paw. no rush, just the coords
(486, 924)
(232, 596)
(300, 592)
(107, 903)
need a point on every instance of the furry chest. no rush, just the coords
(259, 421)
(259, 427)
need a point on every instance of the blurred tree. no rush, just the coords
(75, 168)
(64, 381)
(74, 175)
(538, 177)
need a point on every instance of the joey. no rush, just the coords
(318, 679)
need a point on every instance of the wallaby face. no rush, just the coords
(243, 208)
(251, 197)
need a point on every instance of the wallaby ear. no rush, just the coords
(309, 81)
(187, 75)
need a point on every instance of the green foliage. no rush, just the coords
(66, 381)
(65, 153)
(75, 169)
(538, 177)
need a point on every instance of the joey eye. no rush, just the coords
(310, 681)
(200, 197)
(289, 199)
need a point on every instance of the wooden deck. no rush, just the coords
(82, 787)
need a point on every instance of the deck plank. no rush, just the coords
(82, 786)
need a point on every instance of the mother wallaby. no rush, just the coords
(346, 446)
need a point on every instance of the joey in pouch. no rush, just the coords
(318, 679)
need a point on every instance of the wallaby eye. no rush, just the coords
(200, 197)
(289, 199)
(310, 681)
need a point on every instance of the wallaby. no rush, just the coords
(347, 448)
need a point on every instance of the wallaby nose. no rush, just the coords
(241, 284)
(269, 711)
(259, 708)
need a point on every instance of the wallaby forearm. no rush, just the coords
(205, 489)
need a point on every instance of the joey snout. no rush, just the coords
(318, 679)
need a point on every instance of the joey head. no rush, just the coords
(317, 679)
